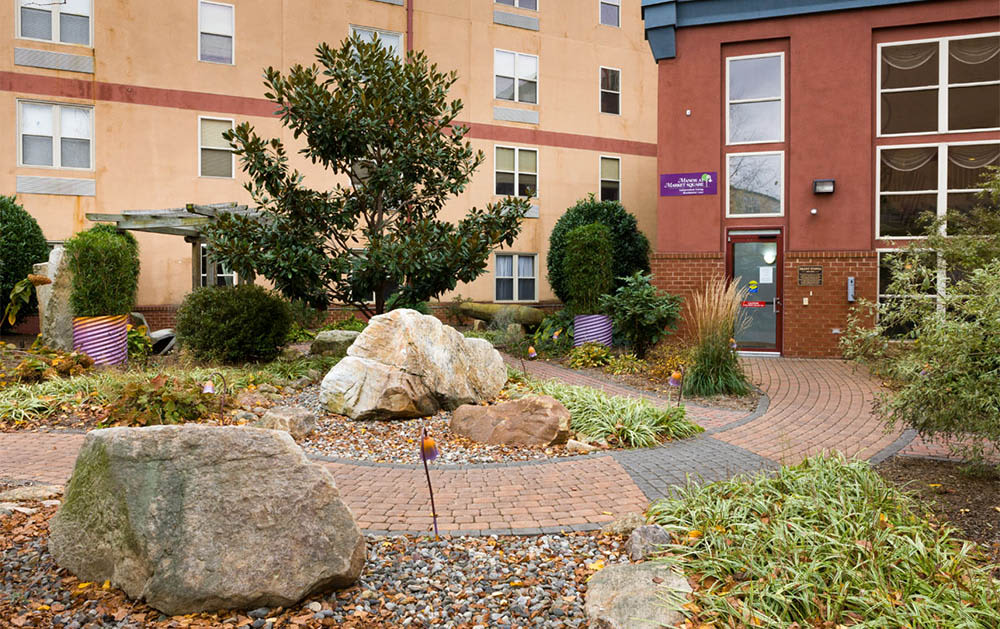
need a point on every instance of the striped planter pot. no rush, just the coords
(105, 339)
(592, 329)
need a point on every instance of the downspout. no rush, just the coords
(409, 25)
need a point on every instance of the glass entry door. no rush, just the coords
(755, 262)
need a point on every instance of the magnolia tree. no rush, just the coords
(386, 126)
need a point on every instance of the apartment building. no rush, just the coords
(115, 105)
(824, 130)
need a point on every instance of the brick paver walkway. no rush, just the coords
(810, 406)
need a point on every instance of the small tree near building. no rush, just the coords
(387, 125)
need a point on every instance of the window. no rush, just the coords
(929, 271)
(515, 277)
(939, 86)
(389, 39)
(216, 154)
(756, 184)
(611, 91)
(67, 21)
(611, 179)
(937, 179)
(516, 172)
(55, 135)
(521, 4)
(516, 76)
(217, 27)
(754, 91)
(611, 12)
(224, 276)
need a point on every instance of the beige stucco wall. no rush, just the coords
(146, 152)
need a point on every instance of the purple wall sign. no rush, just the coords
(683, 184)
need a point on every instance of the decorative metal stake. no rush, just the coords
(429, 452)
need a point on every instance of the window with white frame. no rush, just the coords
(56, 135)
(611, 91)
(756, 184)
(66, 21)
(521, 4)
(611, 178)
(515, 76)
(224, 276)
(755, 97)
(217, 32)
(938, 180)
(611, 12)
(389, 39)
(940, 85)
(516, 172)
(216, 157)
(515, 277)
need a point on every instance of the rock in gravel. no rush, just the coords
(536, 420)
(579, 447)
(333, 342)
(646, 540)
(406, 364)
(625, 524)
(198, 518)
(295, 420)
(31, 492)
(7, 508)
(636, 596)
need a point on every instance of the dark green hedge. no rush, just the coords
(233, 324)
(587, 267)
(631, 247)
(22, 245)
(105, 266)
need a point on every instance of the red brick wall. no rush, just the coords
(684, 273)
(159, 317)
(808, 329)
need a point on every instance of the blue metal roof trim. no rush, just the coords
(664, 17)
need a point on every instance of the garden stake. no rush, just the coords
(429, 452)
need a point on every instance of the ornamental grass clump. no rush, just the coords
(823, 544)
(713, 318)
(630, 422)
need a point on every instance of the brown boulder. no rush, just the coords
(538, 420)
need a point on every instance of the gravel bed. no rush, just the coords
(396, 441)
(460, 583)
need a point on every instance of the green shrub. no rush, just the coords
(105, 266)
(554, 336)
(587, 267)
(631, 248)
(589, 355)
(353, 323)
(640, 315)
(233, 324)
(631, 422)
(162, 400)
(505, 331)
(714, 314)
(826, 543)
(22, 245)
(625, 364)
(400, 300)
(140, 345)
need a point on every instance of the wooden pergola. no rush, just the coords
(186, 221)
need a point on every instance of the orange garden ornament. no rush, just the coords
(429, 452)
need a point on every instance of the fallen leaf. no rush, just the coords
(85, 584)
(934, 484)
(597, 565)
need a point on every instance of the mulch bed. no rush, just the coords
(408, 581)
(971, 504)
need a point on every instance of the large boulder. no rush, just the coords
(55, 314)
(333, 342)
(199, 518)
(295, 420)
(636, 596)
(536, 420)
(407, 365)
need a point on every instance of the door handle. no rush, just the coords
(777, 305)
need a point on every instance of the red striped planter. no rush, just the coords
(592, 329)
(105, 339)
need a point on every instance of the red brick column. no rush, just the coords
(685, 273)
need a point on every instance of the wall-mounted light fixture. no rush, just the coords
(814, 211)
(823, 186)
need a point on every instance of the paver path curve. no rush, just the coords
(811, 405)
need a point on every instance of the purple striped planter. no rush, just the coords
(105, 339)
(592, 329)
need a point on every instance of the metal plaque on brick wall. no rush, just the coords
(810, 276)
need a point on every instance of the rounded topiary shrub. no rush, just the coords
(22, 245)
(587, 267)
(631, 247)
(105, 266)
(233, 324)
